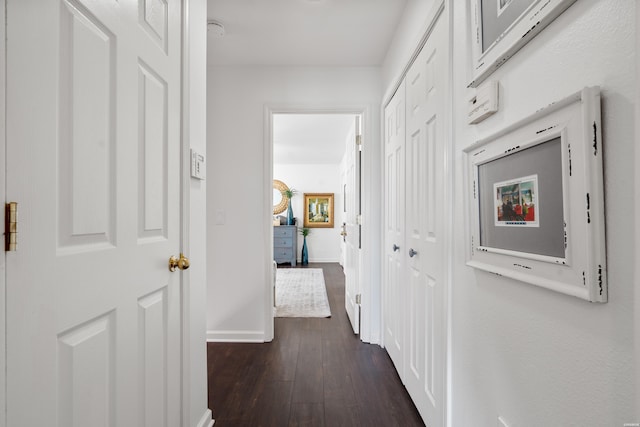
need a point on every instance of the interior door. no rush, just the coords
(425, 348)
(93, 151)
(394, 228)
(352, 228)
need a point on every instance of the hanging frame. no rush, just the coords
(536, 203)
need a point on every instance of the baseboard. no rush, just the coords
(206, 420)
(321, 260)
(235, 336)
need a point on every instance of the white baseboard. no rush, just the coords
(235, 336)
(320, 260)
(206, 420)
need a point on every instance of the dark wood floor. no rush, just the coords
(316, 372)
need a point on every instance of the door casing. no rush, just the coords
(364, 111)
(3, 167)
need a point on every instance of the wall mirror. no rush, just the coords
(280, 200)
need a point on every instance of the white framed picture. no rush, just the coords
(501, 27)
(536, 203)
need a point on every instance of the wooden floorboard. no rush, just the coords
(316, 372)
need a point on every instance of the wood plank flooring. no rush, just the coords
(316, 372)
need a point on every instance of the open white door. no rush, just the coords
(93, 160)
(352, 229)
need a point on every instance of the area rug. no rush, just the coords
(301, 292)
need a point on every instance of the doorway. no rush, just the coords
(316, 151)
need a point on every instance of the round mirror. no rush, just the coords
(277, 198)
(280, 201)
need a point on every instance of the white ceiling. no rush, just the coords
(321, 33)
(310, 138)
(302, 32)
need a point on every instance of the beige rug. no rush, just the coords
(301, 292)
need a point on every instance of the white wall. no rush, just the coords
(532, 356)
(237, 250)
(196, 413)
(323, 244)
(536, 357)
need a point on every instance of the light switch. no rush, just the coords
(198, 165)
(484, 103)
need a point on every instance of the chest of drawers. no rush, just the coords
(285, 243)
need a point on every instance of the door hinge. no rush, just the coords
(359, 219)
(358, 298)
(11, 226)
(358, 140)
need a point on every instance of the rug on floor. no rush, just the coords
(301, 292)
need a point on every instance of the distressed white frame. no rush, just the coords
(582, 272)
(533, 20)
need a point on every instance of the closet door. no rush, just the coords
(394, 223)
(425, 302)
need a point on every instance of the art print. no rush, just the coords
(516, 202)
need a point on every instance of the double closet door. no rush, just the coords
(415, 204)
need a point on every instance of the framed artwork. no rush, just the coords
(318, 210)
(501, 27)
(536, 203)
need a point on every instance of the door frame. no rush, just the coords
(637, 207)
(185, 212)
(368, 287)
(3, 188)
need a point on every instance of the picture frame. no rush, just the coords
(318, 210)
(535, 199)
(502, 27)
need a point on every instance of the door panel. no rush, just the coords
(394, 292)
(426, 210)
(86, 370)
(86, 145)
(93, 149)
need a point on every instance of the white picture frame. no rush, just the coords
(561, 146)
(500, 28)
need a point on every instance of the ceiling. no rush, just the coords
(302, 32)
(310, 138)
(320, 33)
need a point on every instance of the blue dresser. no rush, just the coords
(285, 243)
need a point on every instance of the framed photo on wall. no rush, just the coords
(501, 27)
(318, 210)
(536, 203)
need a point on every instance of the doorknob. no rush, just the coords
(412, 253)
(395, 247)
(343, 233)
(181, 263)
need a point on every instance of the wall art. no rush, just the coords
(536, 203)
(501, 27)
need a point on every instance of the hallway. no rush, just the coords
(316, 372)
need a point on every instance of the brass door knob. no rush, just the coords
(181, 263)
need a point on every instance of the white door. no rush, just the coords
(93, 151)
(394, 225)
(425, 348)
(352, 243)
